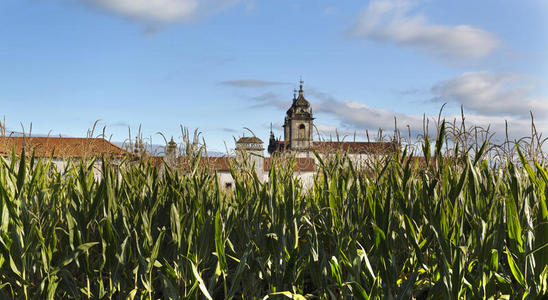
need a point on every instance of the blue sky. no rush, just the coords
(222, 65)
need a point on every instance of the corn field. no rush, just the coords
(457, 227)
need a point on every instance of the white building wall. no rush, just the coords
(227, 182)
(307, 178)
(60, 164)
(358, 159)
(225, 179)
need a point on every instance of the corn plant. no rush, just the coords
(451, 226)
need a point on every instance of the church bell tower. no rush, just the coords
(299, 123)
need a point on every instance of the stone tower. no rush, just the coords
(299, 123)
(251, 149)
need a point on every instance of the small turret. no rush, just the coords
(272, 142)
(272, 138)
(251, 144)
(252, 150)
(171, 153)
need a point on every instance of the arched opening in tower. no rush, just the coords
(302, 131)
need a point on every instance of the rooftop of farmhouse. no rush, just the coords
(60, 147)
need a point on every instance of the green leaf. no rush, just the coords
(239, 271)
(52, 287)
(155, 251)
(219, 243)
(335, 271)
(200, 282)
(541, 225)
(494, 261)
(21, 173)
(440, 139)
(14, 268)
(480, 152)
(333, 203)
(288, 295)
(86, 246)
(379, 235)
(363, 255)
(79, 250)
(513, 225)
(518, 276)
(358, 291)
(527, 167)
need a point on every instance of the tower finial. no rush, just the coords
(294, 94)
(301, 86)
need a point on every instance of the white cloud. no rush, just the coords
(356, 116)
(353, 114)
(163, 11)
(251, 83)
(391, 21)
(489, 100)
(492, 94)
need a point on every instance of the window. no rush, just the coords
(302, 134)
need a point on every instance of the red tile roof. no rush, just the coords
(60, 147)
(213, 163)
(219, 163)
(155, 161)
(418, 160)
(350, 147)
(249, 139)
(357, 147)
(302, 164)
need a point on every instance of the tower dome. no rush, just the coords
(249, 143)
(300, 107)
